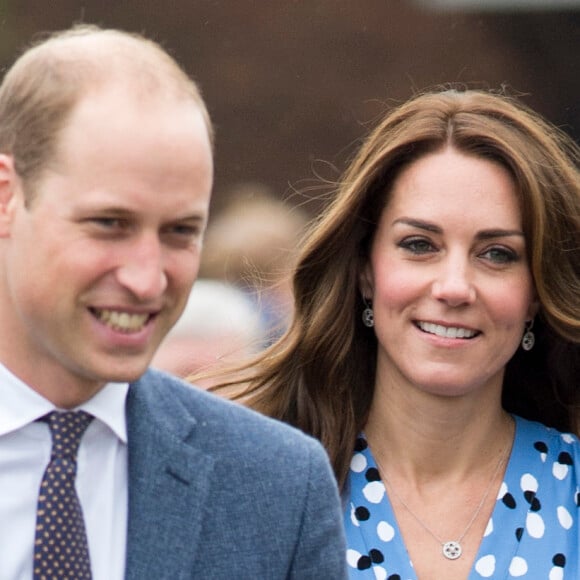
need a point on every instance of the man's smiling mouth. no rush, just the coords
(120, 320)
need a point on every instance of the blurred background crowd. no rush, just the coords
(292, 85)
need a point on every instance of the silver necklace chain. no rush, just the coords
(451, 549)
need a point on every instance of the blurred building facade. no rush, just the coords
(292, 85)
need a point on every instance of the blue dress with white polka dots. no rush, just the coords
(533, 531)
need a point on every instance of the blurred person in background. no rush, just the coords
(435, 344)
(108, 469)
(219, 325)
(252, 244)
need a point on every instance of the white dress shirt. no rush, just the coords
(101, 480)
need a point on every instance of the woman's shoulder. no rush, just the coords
(542, 433)
(559, 450)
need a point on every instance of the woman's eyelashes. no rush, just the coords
(500, 255)
(496, 254)
(417, 245)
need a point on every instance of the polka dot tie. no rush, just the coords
(60, 547)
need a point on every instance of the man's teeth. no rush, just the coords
(446, 331)
(123, 321)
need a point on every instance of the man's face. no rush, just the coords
(98, 267)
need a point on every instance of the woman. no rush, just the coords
(436, 338)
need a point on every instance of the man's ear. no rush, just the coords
(9, 187)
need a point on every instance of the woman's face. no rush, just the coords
(448, 276)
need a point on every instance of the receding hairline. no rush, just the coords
(92, 57)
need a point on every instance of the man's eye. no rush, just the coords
(107, 222)
(185, 230)
(182, 234)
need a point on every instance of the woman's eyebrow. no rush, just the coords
(421, 224)
(498, 233)
(481, 235)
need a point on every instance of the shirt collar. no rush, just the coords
(22, 405)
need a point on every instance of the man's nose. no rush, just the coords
(142, 271)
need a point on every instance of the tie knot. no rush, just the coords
(66, 429)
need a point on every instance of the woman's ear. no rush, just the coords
(366, 282)
(533, 309)
(9, 186)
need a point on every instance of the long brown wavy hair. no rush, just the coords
(320, 375)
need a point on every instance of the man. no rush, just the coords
(105, 180)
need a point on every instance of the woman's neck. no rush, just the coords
(428, 436)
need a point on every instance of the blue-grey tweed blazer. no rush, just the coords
(219, 492)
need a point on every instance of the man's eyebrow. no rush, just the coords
(121, 211)
(109, 209)
(481, 235)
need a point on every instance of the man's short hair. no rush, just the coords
(41, 89)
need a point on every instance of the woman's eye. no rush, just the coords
(500, 255)
(417, 245)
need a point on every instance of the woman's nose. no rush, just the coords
(453, 284)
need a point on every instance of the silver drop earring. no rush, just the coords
(529, 339)
(368, 316)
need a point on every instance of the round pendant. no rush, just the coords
(452, 550)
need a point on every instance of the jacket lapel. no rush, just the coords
(168, 484)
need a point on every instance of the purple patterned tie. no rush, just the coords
(60, 546)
